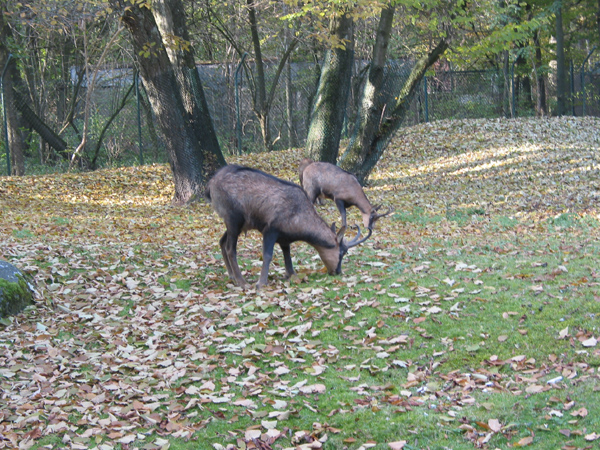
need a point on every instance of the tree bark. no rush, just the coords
(185, 155)
(329, 109)
(35, 122)
(170, 18)
(289, 98)
(598, 18)
(260, 90)
(561, 72)
(372, 107)
(361, 161)
(15, 143)
(289, 106)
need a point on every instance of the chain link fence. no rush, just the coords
(52, 112)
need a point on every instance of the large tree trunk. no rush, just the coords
(561, 72)
(170, 18)
(186, 157)
(329, 110)
(361, 161)
(372, 106)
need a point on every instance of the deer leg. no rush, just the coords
(342, 209)
(222, 242)
(229, 251)
(287, 259)
(269, 239)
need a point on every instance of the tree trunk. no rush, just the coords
(15, 143)
(541, 105)
(263, 100)
(183, 149)
(289, 102)
(363, 163)
(170, 18)
(329, 110)
(372, 107)
(506, 97)
(561, 72)
(17, 102)
(35, 122)
(260, 90)
(598, 18)
(523, 84)
(289, 98)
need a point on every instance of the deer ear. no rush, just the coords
(340, 234)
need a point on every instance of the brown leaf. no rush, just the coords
(524, 442)
(581, 412)
(494, 425)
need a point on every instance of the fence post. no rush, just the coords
(139, 118)
(238, 124)
(426, 99)
(5, 122)
(583, 80)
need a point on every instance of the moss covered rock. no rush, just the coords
(15, 291)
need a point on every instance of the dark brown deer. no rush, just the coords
(321, 179)
(248, 199)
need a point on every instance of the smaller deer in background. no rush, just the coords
(321, 179)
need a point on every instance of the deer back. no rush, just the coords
(335, 183)
(254, 200)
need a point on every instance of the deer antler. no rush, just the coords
(375, 216)
(357, 240)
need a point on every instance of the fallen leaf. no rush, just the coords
(524, 442)
(591, 342)
(494, 425)
(581, 412)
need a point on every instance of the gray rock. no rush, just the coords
(16, 292)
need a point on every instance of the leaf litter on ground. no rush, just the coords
(139, 341)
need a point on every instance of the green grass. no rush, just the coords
(413, 343)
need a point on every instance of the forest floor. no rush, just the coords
(470, 319)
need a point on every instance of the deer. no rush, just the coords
(250, 199)
(326, 180)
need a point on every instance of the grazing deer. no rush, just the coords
(321, 179)
(248, 199)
